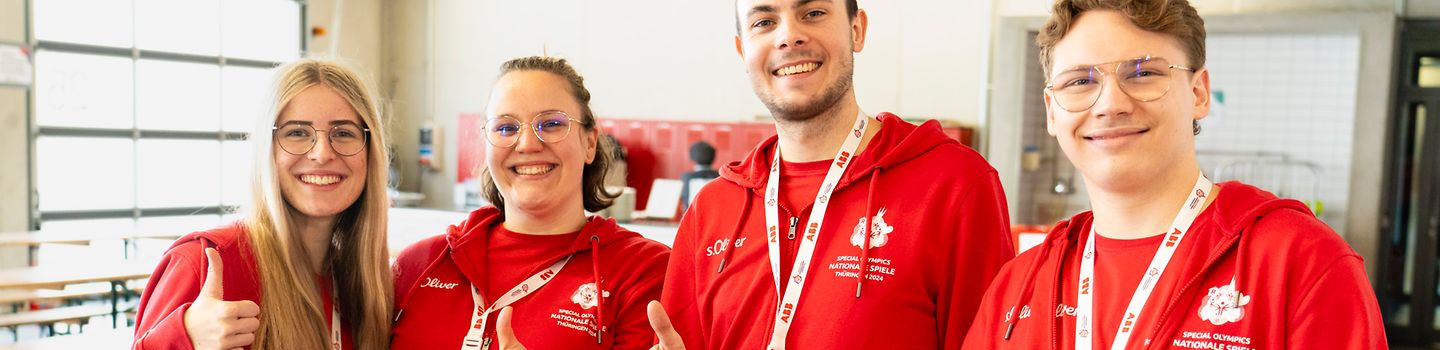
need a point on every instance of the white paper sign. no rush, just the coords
(15, 66)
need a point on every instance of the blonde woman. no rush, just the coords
(307, 269)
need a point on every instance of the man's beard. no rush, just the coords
(796, 112)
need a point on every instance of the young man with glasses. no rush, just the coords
(1165, 258)
(845, 231)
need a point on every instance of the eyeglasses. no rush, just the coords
(346, 138)
(551, 127)
(1145, 79)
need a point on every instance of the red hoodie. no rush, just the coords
(434, 303)
(176, 282)
(943, 234)
(1299, 286)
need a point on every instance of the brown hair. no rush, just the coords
(1171, 17)
(596, 197)
(293, 315)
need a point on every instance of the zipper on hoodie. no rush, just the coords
(794, 221)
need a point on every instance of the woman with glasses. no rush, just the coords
(533, 260)
(307, 267)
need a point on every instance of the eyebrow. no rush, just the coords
(760, 9)
(512, 116)
(807, 2)
(771, 9)
(310, 123)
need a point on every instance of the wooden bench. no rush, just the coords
(49, 317)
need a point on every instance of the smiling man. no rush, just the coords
(846, 230)
(1165, 258)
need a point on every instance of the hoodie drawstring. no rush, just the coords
(599, 290)
(869, 222)
(735, 234)
(1028, 290)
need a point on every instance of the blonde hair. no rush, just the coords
(291, 317)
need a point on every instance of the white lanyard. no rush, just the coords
(475, 336)
(785, 310)
(1084, 308)
(334, 316)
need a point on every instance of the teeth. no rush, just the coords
(797, 69)
(319, 179)
(534, 169)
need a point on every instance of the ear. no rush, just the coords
(1049, 115)
(1200, 86)
(592, 140)
(740, 51)
(857, 30)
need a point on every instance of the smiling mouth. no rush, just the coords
(320, 180)
(796, 69)
(532, 169)
(1114, 135)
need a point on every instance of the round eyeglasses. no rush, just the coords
(1144, 79)
(550, 127)
(298, 138)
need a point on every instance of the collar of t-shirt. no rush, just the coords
(1120, 262)
(799, 182)
(1123, 261)
(514, 256)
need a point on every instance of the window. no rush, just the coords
(143, 106)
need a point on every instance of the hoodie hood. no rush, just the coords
(476, 229)
(597, 233)
(897, 142)
(1236, 208)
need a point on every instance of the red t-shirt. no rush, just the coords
(1122, 261)
(514, 256)
(800, 181)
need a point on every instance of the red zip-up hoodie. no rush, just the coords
(1296, 285)
(434, 305)
(942, 235)
(176, 282)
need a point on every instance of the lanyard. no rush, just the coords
(475, 336)
(334, 316)
(785, 310)
(1084, 308)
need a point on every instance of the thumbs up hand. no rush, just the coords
(504, 334)
(213, 323)
(664, 330)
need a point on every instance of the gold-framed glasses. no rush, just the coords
(1144, 79)
(299, 137)
(549, 126)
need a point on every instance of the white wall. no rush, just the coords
(673, 60)
(357, 38)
